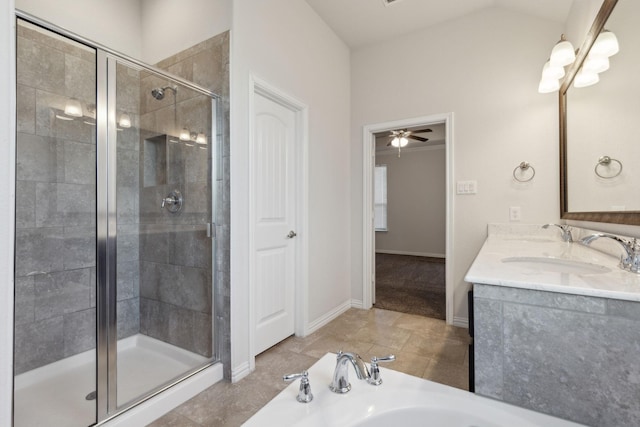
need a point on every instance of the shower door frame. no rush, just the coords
(106, 218)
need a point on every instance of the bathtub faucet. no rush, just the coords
(630, 260)
(565, 230)
(340, 383)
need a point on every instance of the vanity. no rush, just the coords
(557, 326)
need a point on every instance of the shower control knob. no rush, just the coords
(173, 202)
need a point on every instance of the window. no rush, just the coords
(380, 198)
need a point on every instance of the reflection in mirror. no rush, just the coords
(603, 155)
(597, 155)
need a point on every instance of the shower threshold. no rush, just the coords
(55, 395)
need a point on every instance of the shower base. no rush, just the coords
(55, 395)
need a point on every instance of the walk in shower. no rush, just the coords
(114, 230)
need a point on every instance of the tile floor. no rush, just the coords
(424, 347)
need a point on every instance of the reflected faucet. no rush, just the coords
(630, 260)
(566, 232)
(340, 383)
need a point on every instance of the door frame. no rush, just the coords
(368, 232)
(258, 86)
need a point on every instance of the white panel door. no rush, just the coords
(274, 222)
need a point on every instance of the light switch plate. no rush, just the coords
(467, 187)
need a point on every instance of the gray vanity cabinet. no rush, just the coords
(572, 356)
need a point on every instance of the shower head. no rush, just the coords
(158, 93)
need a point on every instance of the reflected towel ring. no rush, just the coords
(523, 166)
(606, 161)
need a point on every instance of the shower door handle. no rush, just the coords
(291, 234)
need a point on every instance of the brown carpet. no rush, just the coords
(411, 284)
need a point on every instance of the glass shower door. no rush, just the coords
(164, 247)
(55, 299)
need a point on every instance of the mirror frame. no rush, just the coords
(631, 217)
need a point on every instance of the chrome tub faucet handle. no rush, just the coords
(304, 394)
(375, 378)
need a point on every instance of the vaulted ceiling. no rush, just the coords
(362, 22)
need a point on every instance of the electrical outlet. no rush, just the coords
(515, 213)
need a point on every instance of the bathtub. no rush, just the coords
(401, 400)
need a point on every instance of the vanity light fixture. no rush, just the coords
(125, 121)
(73, 108)
(595, 63)
(585, 78)
(201, 138)
(563, 53)
(185, 135)
(605, 45)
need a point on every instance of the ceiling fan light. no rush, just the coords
(395, 142)
(563, 53)
(605, 45)
(552, 72)
(585, 78)
(403, 141)
(596, 63)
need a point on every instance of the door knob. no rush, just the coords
(291, 234)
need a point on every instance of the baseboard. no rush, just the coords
(461, 322)
(424, 254)
(327, 317)
(240, 372)
(357, 303)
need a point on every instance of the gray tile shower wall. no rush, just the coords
(175, 293)
(55, 202)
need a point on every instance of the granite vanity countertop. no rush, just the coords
(490, 268)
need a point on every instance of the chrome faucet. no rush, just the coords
(630, 260)
(566, 232)
(340, 383)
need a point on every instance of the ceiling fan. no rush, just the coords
(401, 137)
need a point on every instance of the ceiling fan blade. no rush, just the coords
(418, 138)
(422, 130)
(389, 143)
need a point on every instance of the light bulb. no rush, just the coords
(552, 72)
(125, 120)
(185, 135)
(605, 45)
(596, 64)
(585, 78)
(73, 108)
(548, 85)
(562, 53)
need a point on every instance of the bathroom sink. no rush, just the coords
(556, 265)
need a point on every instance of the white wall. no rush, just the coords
(416, 197)
(284, 43)
(148, 30)
(114, 23)
(7, 180)
(170, 26)
(485, 68)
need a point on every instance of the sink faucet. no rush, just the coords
(340, 383)
(566, 232)
(630, 260)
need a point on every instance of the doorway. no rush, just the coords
(369, 245)
(410, 220)
(114, 208)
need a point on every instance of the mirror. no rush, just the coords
(600, 180)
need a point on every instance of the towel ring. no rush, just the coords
(606, 161)
(523, 166)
